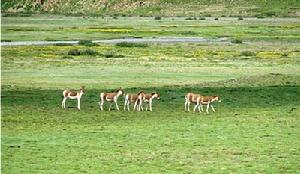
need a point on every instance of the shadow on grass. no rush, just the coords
(171, 97)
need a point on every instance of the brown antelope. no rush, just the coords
(148, 98)
(110, 97)
(136, 98)
(192, 98)
(72, 95)
(208, 100)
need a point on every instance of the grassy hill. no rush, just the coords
(258, 8)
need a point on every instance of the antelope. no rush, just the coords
(129, 98)
(192, 98)
(110, 97)
(148, 98)
(208, 100)
(72, 95)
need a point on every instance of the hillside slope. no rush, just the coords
(267, 8)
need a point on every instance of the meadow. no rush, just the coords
(53, 27)
(255, 128)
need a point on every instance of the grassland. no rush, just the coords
(266, 8)
(260, 136)
(44, 27)
(254, 130)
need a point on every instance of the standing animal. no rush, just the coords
(72, 95)
(208, 100)
(136, 98)
(192, 98)
(110, 97)
(148, 98)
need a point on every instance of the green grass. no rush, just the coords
(253, 132)
(128, 44)
(255, 128)
(157, 65)
(46, 27)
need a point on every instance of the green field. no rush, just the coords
(49, 28)
(255, 128)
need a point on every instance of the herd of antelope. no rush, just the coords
(139, 99)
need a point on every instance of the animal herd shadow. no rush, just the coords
(172, 97)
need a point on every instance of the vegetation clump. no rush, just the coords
(237, 41)
(86, 43)
(269, 13)
(248, 53)
(157, 18)
(5, 40)
(88, 52)
(67, 57)
(259, 16)
(131, 44)
(112, 55)
(63, 44)
(285, 54)
(191, 18)
(188, 33)
(50, 39)
(76, 52)
(16, 14)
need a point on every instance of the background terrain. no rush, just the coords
(257, 8)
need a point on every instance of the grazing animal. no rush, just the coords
(208, 100)
(129, 98)
(192, 98)
(72, 95)
(148, 98)
(110, 97)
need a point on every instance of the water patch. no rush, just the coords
(131, 40)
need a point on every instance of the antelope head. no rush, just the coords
(155, 94)
(216, 98)
(120, 91)
(82, 89)
(141, 92)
